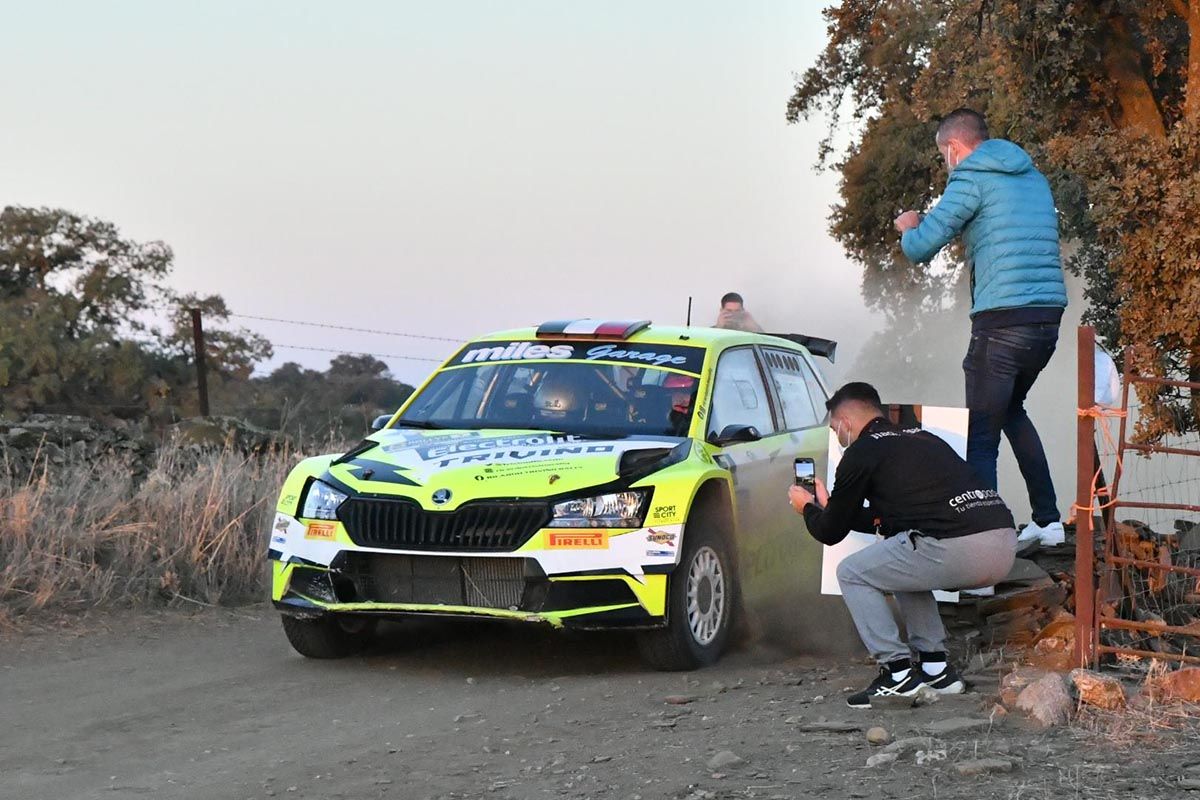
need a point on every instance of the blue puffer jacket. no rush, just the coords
(1002, 206)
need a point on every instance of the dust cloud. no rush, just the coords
(925, 367)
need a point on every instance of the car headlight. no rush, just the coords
(321, 501)
(617, 510)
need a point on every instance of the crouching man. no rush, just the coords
(941, 529)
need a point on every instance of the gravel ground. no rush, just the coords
(216, 705)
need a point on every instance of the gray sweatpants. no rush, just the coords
(910, 566)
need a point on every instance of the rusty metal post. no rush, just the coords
(1085, 582)
(201, 367)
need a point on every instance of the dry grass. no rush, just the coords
(88, 534)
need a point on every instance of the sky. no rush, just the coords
(439, 168)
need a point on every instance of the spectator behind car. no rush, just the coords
(734, 316)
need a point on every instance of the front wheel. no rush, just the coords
(699, 606)
(328, 636)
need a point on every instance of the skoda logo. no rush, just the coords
(441, 497)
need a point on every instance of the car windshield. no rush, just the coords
(579, 397)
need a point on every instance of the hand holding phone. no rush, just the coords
(806, 475)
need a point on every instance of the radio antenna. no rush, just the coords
(689, 314)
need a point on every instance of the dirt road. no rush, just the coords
(215, 705)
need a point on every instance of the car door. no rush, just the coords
(789, 566)
(741, 397)
(773, 534)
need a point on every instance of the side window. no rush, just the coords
(739, 396)
(815, 390)
(790, 375)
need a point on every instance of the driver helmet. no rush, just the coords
(682, 387)
(557, 400)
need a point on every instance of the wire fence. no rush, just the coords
(1148, 599)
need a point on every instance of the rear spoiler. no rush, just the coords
(826, 348)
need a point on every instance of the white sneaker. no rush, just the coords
(1049, 536)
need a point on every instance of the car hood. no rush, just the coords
(491, 463)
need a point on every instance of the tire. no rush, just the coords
(690, 641)
(328, 636)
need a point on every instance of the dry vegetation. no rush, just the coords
(89, 534)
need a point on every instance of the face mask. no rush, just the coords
(837, 432)
(950, 164)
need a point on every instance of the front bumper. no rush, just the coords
(564, 578)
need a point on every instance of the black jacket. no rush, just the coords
(913, 481)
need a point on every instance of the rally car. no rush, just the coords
(581, 474)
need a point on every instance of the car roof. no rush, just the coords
(718, 338)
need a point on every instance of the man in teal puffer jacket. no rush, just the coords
(1001, 205)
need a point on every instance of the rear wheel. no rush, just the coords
(328, 636)
(700, 602)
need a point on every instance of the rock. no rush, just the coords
(1102, 691)
(982, 766)
(998, 711)
(679, 699)
(1182, 684)
(1191, 784)
(1046, 700)
(957, 725)
(724, 760)
(980, 662)
(882, 759)
(1012, 684)
(878, 735)
(911, 744)
(927, 697)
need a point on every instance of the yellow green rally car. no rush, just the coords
(583, 474)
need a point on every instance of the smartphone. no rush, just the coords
(806, 474)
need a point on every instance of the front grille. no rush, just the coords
(403, 525)
(435, 580)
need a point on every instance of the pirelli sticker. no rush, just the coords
(589, 540)
(324, 531)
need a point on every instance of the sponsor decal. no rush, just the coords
(664, 512)
(288, 500)
(516, 351)
(686, 359)
(281, 524)
(496, 456)
(660, 553)
(324, 531)
(976, 498)
(366, 469)
(591, 540)
(661, 537)
(279, 540)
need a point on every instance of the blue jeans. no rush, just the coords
(1001, 366)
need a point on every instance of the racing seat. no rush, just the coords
(515, 409)
(605, 412)
(652, 407)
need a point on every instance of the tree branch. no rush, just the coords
(1122, 65)
(1191, 105)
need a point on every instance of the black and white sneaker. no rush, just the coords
(885, 691)
(948, 681)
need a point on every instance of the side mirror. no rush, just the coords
(380, 422)
(735, 434)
